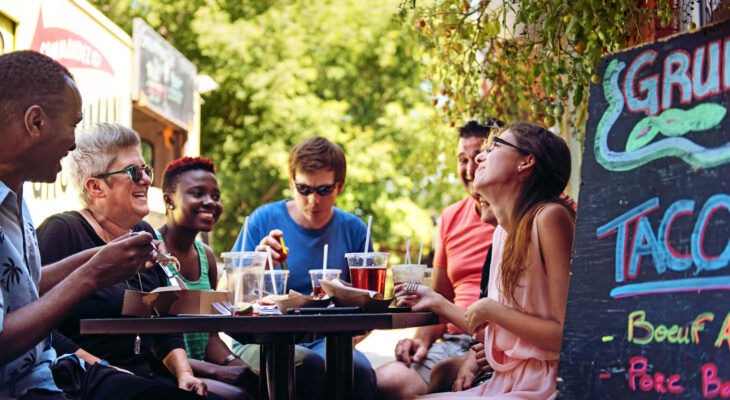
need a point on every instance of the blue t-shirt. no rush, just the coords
(344, 233)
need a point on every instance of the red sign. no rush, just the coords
(68, 48)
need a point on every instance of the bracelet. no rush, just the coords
(103, 362)
(229, 359)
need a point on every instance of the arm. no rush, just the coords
(56, 272)
(25, 327)
(177, 363)
(555, 229)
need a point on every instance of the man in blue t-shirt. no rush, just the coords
(317, 170)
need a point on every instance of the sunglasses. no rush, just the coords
(496, 139)
(323, 190)
(134, 171)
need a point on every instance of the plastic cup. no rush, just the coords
(244, 275)
(319, 274)
(368, 270)
(275, 281)
(404, 273)
(428, 277)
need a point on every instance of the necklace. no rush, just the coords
(137, 340)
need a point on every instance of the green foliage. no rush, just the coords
(347, 70)
(528, 60)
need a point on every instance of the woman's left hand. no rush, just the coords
(186, 381)
(479, 313)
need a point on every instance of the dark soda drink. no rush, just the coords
(368, 278)
(318, 292)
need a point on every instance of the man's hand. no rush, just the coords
(120, 259)
(273, 243)
(187, 381)
(410, 350)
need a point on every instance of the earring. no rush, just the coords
(519, 167)
(170, 206)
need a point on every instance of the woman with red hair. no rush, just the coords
(193, 205)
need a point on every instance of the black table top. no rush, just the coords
(259, 324)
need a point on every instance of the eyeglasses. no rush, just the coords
(496, 139)
(323, 190)
(134, 171)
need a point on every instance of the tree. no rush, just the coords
(349, 71)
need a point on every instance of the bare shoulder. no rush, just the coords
(210, 255)
(555, 215)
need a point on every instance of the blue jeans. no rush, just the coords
(310, 372)
(364, 376)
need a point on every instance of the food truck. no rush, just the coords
(139, 81)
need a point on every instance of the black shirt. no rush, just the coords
(485, 275)
(68, 233)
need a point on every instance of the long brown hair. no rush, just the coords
(547, 181)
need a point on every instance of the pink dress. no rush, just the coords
(521, 369)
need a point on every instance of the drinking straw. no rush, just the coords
(245, 233)
(420, 252)
(324, 259)
(367, 235)
(271, 266)
(408, 251)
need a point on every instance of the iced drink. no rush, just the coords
(368, 270)
(404, 273)
(319, 274)
(244, 275)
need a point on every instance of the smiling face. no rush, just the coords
(313, 211)
(468, 148)
(498, 167)
(124, 198)
(196, 200)
(57, 136)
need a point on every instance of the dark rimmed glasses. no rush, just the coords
(496, 139)
(134, 171)
(323, 190)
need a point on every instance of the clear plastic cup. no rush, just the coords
(275, 281)
(319, 274)
(404, 273)
(368, 270)
(244, 275)
(428, 277)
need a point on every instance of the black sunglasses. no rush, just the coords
(134, 171)
(323, 190)
(496, 139)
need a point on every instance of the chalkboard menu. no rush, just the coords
(648, 312)
(164, 78)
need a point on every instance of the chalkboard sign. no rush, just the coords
(164, 79)
(648, 311)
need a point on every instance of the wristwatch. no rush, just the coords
(229, 358)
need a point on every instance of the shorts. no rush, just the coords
(447, 346)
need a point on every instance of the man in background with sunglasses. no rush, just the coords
(429, 362)
(317, 169)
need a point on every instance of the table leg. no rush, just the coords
(263, 377)
(338, 364)
(279, 359)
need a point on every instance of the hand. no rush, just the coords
(237, 375)
(467, 371)
(479, 313)
(273, 242)
(186, 381)
(423, 299)
(120, 259)
(481, 357)
(410, 350)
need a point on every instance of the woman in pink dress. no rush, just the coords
(521, 176)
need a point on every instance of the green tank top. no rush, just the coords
(195, 343)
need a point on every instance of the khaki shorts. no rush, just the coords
(447, 346)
